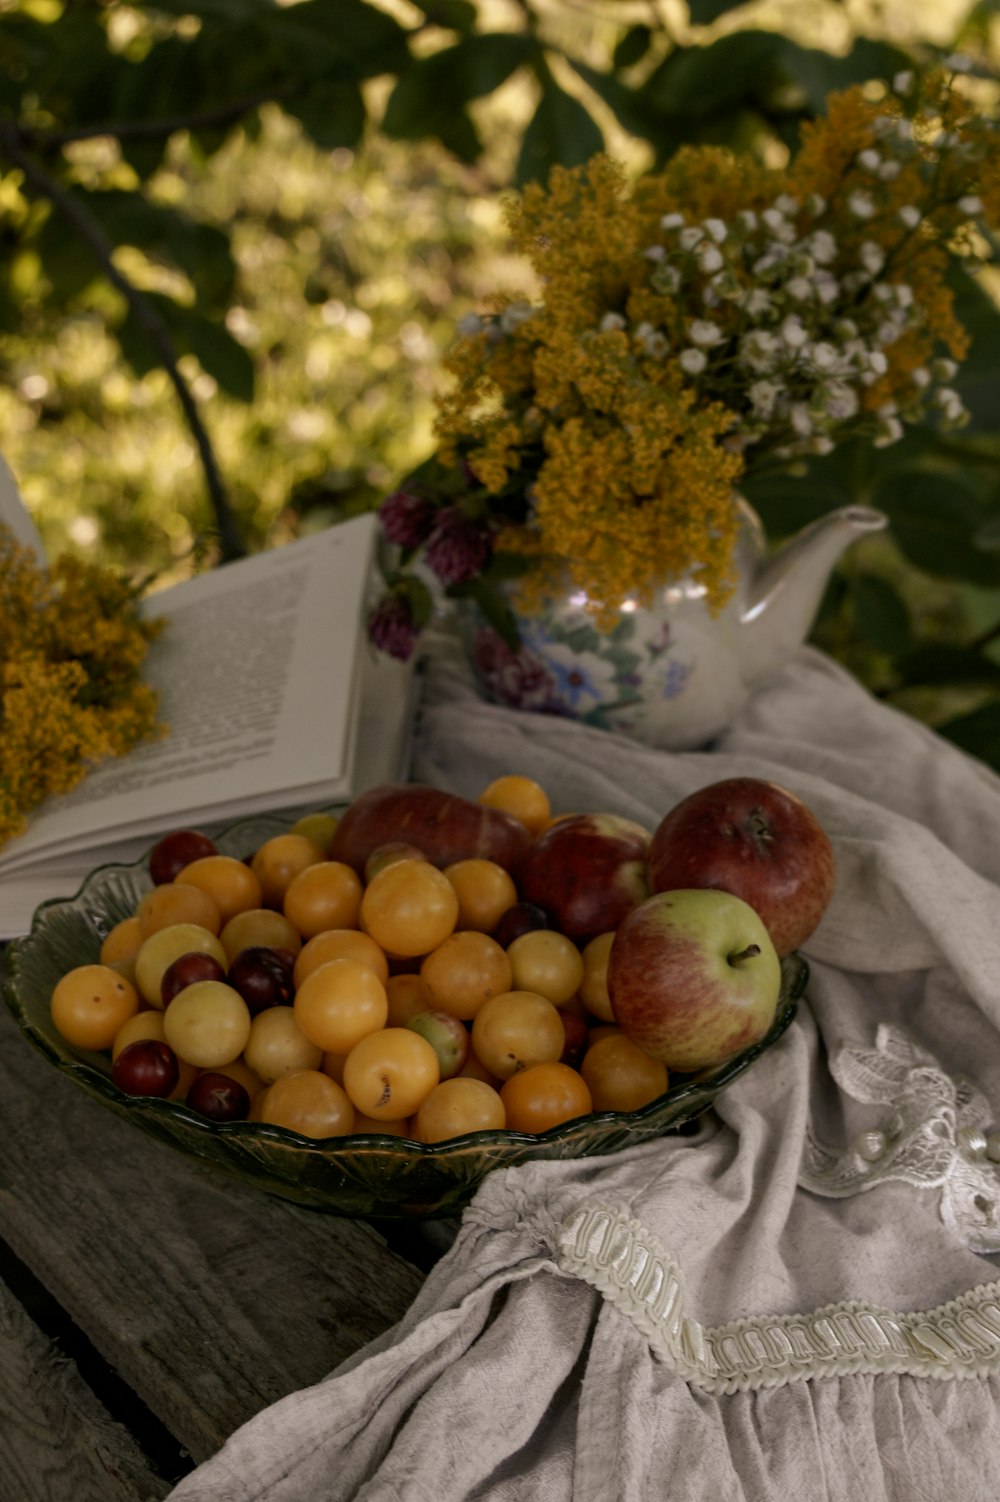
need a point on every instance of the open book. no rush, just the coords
(274, 700)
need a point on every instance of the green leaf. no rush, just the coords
(419, 596)
(69, 266)
(632, 47)
(454, 15)
(560, 133)
(978, 378)
(935, 519)
(212, 345)
(333, 113)
(942, 664)
(977, 733)
(818, 74)
(704, 12)
(434, 89)
(168, 235)
(787, 502)
(220, 355)
(632, 107)
(702, 81)
(880, 614)
(754, 66)
(496, 612)
(352, 30)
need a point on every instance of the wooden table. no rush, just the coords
(149, 1307)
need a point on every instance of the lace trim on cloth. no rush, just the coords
(627, 1264)
(937, 1132)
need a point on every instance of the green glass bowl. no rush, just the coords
(364, 1175)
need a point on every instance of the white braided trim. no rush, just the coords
(629, 1266)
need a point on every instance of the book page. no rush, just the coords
(382, 747)
(257, 677)
(15, 514)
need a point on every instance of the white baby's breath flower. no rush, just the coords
(692, 361)
(717, 229)
(971, 204)
(775, 255)
(887, 409)
(903, 130)
(822, 247)
(889, 431)
(470, 323)
(758, 350)
(902, 82)
(845, 329)
(887, 333)
(821, 444)
(710, 296)
(958, 62)
(815, 205)
(710, 258)
(823, 355)
(611, 323)
(921, 377)
(953, 409)
(757, 302)
(672, 221)
(690, 237)
(872, 257)
(827, 288)
(793, 333)
(747, 220)
(666, 279)
(702, 331)
(840, 401)
(877, 362)
(870, 160)
(801, 419)
(763, 395)
(654, 342)
(944, 369)
(655, 253)
(889, 171)
(799, 287)
(786, 204)
(861, 205)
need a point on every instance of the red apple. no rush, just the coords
(754, 839)
(694, 978)
(587, 871)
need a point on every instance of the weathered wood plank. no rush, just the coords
(59, 1444)
(209, 1300)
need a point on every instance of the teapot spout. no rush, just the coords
(787, 588)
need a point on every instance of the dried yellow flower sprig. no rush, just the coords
(72, 644)
(709, 319)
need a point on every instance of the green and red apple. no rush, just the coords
(694, 977)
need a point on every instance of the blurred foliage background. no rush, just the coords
(237, 234)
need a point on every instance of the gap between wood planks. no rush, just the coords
(165, 1456)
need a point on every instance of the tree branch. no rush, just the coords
(149, 130)
(146, 316)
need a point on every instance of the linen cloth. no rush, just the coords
(581, 1337)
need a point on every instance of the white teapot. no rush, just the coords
(672, 674)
